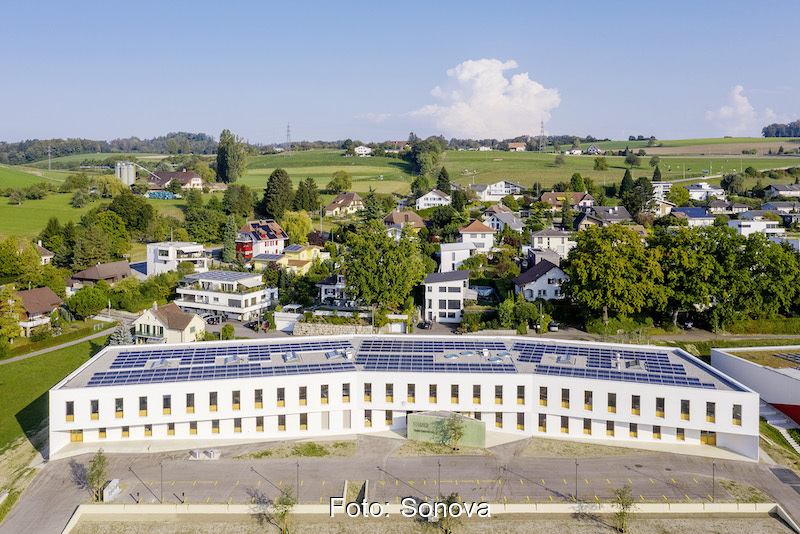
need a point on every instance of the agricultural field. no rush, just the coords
(13, 177)
(77, 158)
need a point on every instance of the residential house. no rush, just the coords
(344, 204)
(333, 290)
(662, 207)
(594, 151)
(745, 227)
(236, 295)
(757, 215)
(723, 207)
(362, 151)
(693, 216)
(499, 221)
(444, 296)
(558, 242)
(793, 242)
(536, 255)
(782, 206)
(516, 147)
(782, 190)
(704, 191)
(542, 281)
(168, 324)
(478, 233)
(496, 191)
(110, 272)
(397, 220)
(611, 214)
(296, 259)
(661, 190)
(581, 202)
(495, 208)
(264, 236)
(585, 220)
(433, 199)
(187, 179)
(453, 255)
(46, 255)
(573, 152)
(38, 305)
(165, 256)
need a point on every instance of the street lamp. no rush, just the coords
(713, 479)
(576, 480)
(297, 490)
(161, 464)
(439, 478)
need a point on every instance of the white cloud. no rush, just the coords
(480, 102)
(739, 116)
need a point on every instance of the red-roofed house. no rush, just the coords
(343, 204)
(38, 305)
(478, 233)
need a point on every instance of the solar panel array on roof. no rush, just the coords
(424, 363)
(599, 358)
(210, 372)
(791, 356)
(396, 346)
(623, 376)
(131, 359)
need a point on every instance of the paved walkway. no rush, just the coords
(102, 333)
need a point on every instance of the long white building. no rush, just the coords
(293, 388)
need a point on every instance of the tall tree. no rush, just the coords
(229, 240)
(600, 164)
(98, 469)
(238, 200)
(567, 218)
(119, 240)
(91, 249)
(10, 315)
(657, 174)
(640, 198)
(172, 146)
(314, 199)
(627, 183)
(340, 181)
(458, 200)
(51, 235)
(576, 183)
(443, 181)
(279, 194)
(297, 225)
(372, 208)
(120, 336)
(301, 198)
(231, 158)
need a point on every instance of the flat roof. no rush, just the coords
(221, 276)
(787, 357)
(217, 360)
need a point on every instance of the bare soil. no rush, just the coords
(554, 448)
(420, 448)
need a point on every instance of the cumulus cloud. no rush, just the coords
(739, 116)
(479, 101)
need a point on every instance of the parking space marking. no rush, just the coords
(551, 498)
(259, 483)
(595, 498)
(710, 498)
(323, 483)
(665, 497)
(208, 499)
(528, 497)
(608, 481)
(673, 481)
(652, 481)
(587, 480)
(543, 484)
(195, 483)
(521, 482)
(631, 481)
(565, 481)
(641, 497)
(695, 480)
(237, 482)
(687, 497)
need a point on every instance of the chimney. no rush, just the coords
(40, 242)
(155, 305)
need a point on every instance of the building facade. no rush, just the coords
(168, 324)
(432, 199)
(236, 295)
(453, 255)
(444, 296)
(264, 236)
(166, 256)
(478, 234)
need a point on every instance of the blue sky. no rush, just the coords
(376, 71)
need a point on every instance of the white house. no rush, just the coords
(693, 216)
(593, 150)
(38, 306)
(661, 190)
(454, 254)
(783, 190)
(517, 147)
(165, 256)
(362, 151)
(237, 295)
(168, 324)
(496, 191)
(767, 227)
(478, 233)
(704, 191)
(433, 199)
(264, 236)
(444, 296)
(344, 204)
(573, 152)
(582, 202)
(542, 281)
(332, 290)
(499, 221)
(558, 242)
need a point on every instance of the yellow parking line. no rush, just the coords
(687, 497)
(665, 497)
(652, 481)
(208, 499)
(173, 483)
(253, 500)
(673, 481)
(641, 497)
(505, 498)
(528, 497)
(631, 481)
(499, 482)
(565, 481)
(595, 498)
(259, 483)
(424, 482)
(459, 498)
(710, 497)
(551, 497)
(587, 480)
(456, 482)
(151, 483)
(323, 483)
(280, 482)
(195, 483)
(695, 480)
(608, 481)
(411, 482)
(215, 482)
(521, 482)
(543, 484)
(237, 482)
(320, 500)
(229, 500)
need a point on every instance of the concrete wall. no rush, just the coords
(325, 329)
(431, 429)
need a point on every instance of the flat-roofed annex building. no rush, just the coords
(306, 387)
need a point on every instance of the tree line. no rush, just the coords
(782, 130)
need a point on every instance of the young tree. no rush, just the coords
(231, 158)
(559, 160)
(567, 218)
(226, 332)
(454, 430)
(10, 312)
(283, 506)
(174, 187)
(576, 183)
(679, 195)
(79, 198)
(172, 146)
(51, 235)
(238, 200)
(657, 174)
(314, 199)
(297, 225)
(194, 199)
(627, 183)
(443, 182)
(98, 474)
(372, 208)
(625, 504)
(120, 336)
(458, 199)
(279, 194)
(87, 301)
(631, 160)
(654, 161)
(420, 185)
(229, 240)
(510, 202)
(340, 181)
(92, 249)
(449, 521)
(140, 186)
(301, 198)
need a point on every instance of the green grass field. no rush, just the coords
(24, 386)
(96, 156)
(12, 177)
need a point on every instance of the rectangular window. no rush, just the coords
(412, 392)
(476, 394)
(498, 419)
(367, 392)
(520, 421)
(367, 418)
(193, 427)
(442, 304)
(190, 403)
(542, 396)
(236, 400)
(118, 408)
(389, 392)
(542, 422)
(498, 394)
(215, 426)
(323, 394)
(453, 304)
(454, 393)
(212, 401)
(679, 434)
(259, 398)
(101, 433)
(520, 394)
(565, 397)
(142, 406)
(389, 417)
(170, 429)
(612, 403)
(148, 430)
(711, 412)
(685, 410)
(166, 404)
(634, 430)
(659, 406)
(432, 393)
(281, 396)
(565, 424)
(587, 426)
(303, 395)
(587, 400)
(346, 392)
(281, 422)
(477, 415)
(636, 405)
(94, 406)
(260, 423)
(656, 432)
(126, 431)
(609, 428)
(737, 414)
(237, 424)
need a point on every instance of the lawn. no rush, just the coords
(98, 156)
(28, 219)
(24, 386)
(11, 177)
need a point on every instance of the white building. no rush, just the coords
(38, 308)
(166, 256)
(125, 172)
(453, 255)
(168, 324)
(542, 281)
(555, 240)
(433, 199)
(704, 191)
(499, 221)
(201, 395)
(362, 151)
(333, 290)
(479, 234)
(767, 227)
(237, 295)
(444, 296)
(496, 191)
(782, 190)
(264, 236)
(661, 190)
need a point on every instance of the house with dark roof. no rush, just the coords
(397, 220)
(499, 222)
(187, 179)
(344, 204)
(782, 190)
(581, 202)
(168, 324)
(38, 305)
(332, 290)
(542, 281)
(444, 296)
(559, 242)
(110, 272)
(693, 216)
(611, 214)
(782, 206)
(264, 236)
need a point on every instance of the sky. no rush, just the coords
(375, 71)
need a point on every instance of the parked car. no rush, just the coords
(553, 327)
(426, 325)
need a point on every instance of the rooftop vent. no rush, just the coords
(565, 359)
(165, 363)
(290, 356)
(234, 359)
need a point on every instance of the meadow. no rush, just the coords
(12, 177)
(99, 156)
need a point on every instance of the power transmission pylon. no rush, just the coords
(289, 138)
(542, 139)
